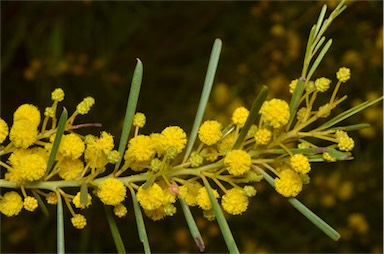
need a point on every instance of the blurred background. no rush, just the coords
(89, 48)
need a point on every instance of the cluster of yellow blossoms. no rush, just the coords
(276, 144)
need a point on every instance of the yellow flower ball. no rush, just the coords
(292, 85)
(140, 148)
(234, 201)
(77, 203)
(300, 164)
(27, 112)
(275, 113)
(111, 191)
(289, 183)
(32, 167)
(30, 204)
(237, 162)
(239, 116)
(120, 210)
(344, 74)
(189, 192)
(79, 221)
(71, 146)
(23, 133)
(85, 105)
(57, 94)
(139, 120)
(150, 198)
(3, 130)
(174, 136)
(70, 168)
(263, 136)
(322, 84)
(11, 204)
(210, 132)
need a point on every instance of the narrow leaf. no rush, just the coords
(320, 19)
(56, 142)
(319, 58)
(252, 116)
(131, 107)
(295, 99)
(140, 222)
(114, 230)
(83, 193)
(208, 83)
(60, 226)
(316, 220)
(192, 225)
(42, 205)
(223, 224)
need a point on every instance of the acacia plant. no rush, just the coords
(215, 167)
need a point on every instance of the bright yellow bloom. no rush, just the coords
(70, 169)
(71, 146)
(3, 130)
(322, 84)
(237, 162)
(77, 203)
(226, 143)
(239, 116)
(275, 112)
(300, 164)
(140, 148)
(345, 143)
(79, 221)
(111, 191)
(49, 111)
(170, 210)
(150, 198)
(289, 184)
(203, 200)
(234, 201)
(27, 112)
(113, 156)
(57, 94)
(30, 204)
(344, 74)
(292, 85)
(11, 204)
(189, 192)
(139, 120)
(97, 150)
(263, 136)
(174, 136)
(328, 157)
(32, 167)
(155, 214)
(23, 133)
(85, 105)
(210, 132)
(120, 210)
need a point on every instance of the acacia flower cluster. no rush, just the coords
(275, 140)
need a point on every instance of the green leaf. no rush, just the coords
(295, 100)
(60, 226)
(223, 224)
(319, 58)
(252, 116)
(83, 193)
(208, 83)
(192, 225)
(114, 230)
(140, 222)
(320, 20)
(42, 205)
(56, 142)
(131, 108)
(316, 220)
(348, 113)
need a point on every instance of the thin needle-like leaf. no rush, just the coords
(131, 108)
(140, 222)
(208, 83)
(56, 142)
(83, 193)
(60, 226)
(114, 230)
(223, 224)
(319, 58)
(316, 220)
(192, 225)
(252, 116)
